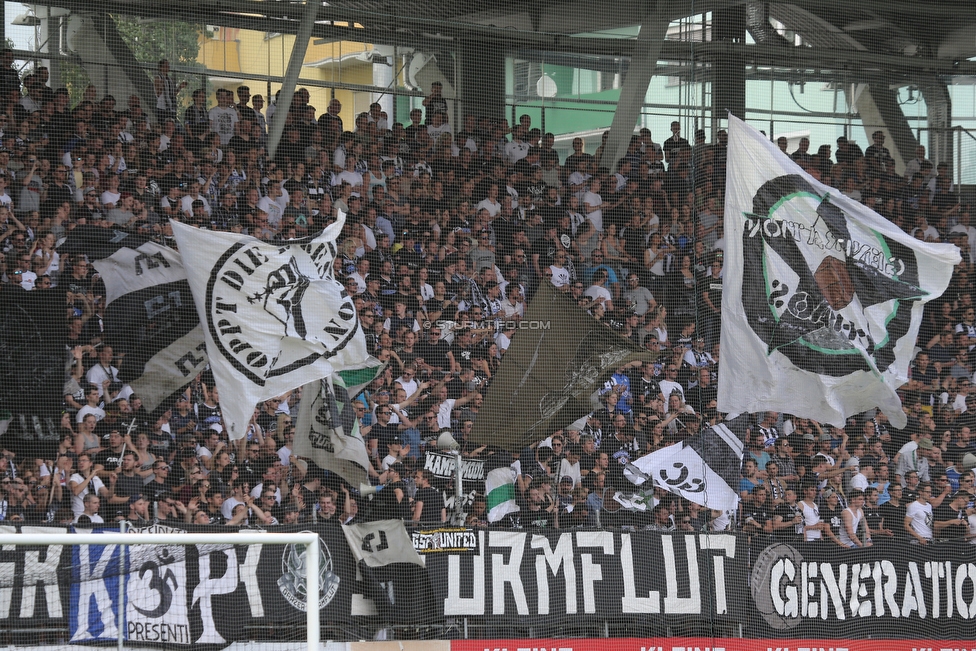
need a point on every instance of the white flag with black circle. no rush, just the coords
(274, 316)
(822, 296)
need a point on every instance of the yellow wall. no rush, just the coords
(237, 50)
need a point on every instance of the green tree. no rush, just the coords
(178, 42)
(150, 41)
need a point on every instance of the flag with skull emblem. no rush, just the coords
(273, 314)
(822, 297)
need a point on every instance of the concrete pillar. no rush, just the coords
(728, 71)
(294, 68)
(481, 82)
(938, 106)
(110, 64)
(643, 61)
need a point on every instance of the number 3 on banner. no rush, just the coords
(368, 542)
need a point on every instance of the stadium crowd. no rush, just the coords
(450, 230)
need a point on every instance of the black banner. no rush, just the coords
(180, 595)
(888, 590)
(602, 574)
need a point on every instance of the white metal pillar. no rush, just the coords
(291, 75)
(643, 61)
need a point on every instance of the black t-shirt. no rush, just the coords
(433, 503)
(832, 517)
(894, 518)
(129, 486)
(462, 355)
(945, 512)
(873, 517)
(546, 249)
(789, 534)
(383, 434)
(108, 459)
(758, 513)
(540, 519)
(435, 354)
(386, 507)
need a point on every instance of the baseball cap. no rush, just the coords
(566, 479)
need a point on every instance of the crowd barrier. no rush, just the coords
(502, 584)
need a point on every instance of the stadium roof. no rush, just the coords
(896, 37)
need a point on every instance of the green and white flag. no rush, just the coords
(327, 430)
(500, 487)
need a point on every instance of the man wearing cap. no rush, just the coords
(138, 513)
(914, 455)
(396, 452)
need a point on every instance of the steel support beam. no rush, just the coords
(643, 61)
(879, 110)
(298, 50)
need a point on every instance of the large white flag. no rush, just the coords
(274, 316)
(822, 297)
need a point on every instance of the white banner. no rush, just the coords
(822, 297)
(274, 316)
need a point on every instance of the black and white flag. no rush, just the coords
(703, 468)
(151, 318)
(381, 543)
(327, 429)
(822, 296)
(274, 316)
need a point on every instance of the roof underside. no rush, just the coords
(899, 40)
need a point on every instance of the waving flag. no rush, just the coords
(327, 429)
(702, 468)
(150, 317)
(274, 317)
(550, 372)
(500, 487)
(822, 297)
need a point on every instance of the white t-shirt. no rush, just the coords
(222, 121)
(493, 207)
(811, 516)
(444, 414)
(186, 204)
(597, 291)
(921, 516)
(859, 481)
(596, 216)
(560, 276)
(84, 411)
(78, 501)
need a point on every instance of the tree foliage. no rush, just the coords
(149, 41)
